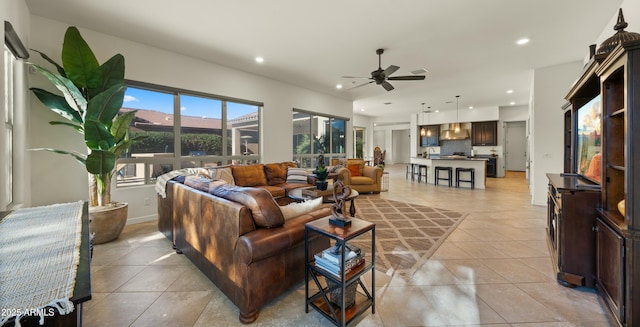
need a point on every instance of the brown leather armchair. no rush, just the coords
(363, 178)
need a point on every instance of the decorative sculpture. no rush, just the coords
(341, 194)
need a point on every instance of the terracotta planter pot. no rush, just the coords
(108, 222)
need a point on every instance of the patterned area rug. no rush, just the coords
(406, 234)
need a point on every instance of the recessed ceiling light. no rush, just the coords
(437, 110)
(339, 86)
(509, 91)
(522, 41)
(374, 124)
(470, 107)
(259, 60)
(361, 109)
(512, 103)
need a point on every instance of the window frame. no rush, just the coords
(177, 160)
(308, 160)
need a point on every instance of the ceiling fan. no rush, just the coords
(381, 77)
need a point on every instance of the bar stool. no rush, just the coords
(449, 177)
(472, 174)
(422, 171)
(410, 171)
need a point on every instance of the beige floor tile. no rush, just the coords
(449, 250)
(154, 279)
(481, 250)
(433, 272)
(191, 280)
(406, 306)
(542, 265)
(110, 278)
(516, 271)
(151, 255)
(175, 309)
(119, 309)
(458, 305)
(514, 305)
(518, 249)
(580, 304)
(473, 271)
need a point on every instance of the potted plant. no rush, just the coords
(321, 173)
(92, 97)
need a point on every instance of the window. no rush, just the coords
(315, 134)
(9, 61)
(184, 129)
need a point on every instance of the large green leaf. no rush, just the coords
(100, 162)
(121, 125)
(47, 58)
(57, 104)
(112, 74)
(105, 106)
(121, 148)
(79, 62)
(97, 135)
(71, 93)
(77, 127)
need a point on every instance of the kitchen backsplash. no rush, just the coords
(448, 147)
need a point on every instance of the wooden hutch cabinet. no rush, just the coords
(618, 231)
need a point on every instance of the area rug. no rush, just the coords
(406, 234)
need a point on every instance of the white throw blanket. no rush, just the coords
(39, 257)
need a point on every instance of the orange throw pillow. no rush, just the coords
(354, 170)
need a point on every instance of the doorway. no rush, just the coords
(401, 147)
(516, 146)
(358, 141)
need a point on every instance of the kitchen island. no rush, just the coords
(479, 164)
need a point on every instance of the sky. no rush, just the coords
(189, 105)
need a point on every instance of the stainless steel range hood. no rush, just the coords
(450, 133)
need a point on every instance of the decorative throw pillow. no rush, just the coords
(250, 175)
(276, 173)
(298, 209)
(354, 170)
(297, 175)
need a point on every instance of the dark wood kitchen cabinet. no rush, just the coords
(484, 133)
(571, 218)
(431, 135)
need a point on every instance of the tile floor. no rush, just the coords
(493, 270)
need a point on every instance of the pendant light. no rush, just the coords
(428, 120)
(457, 129)
(422, 129)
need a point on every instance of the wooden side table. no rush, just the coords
(364, 299)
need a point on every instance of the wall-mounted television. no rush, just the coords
(589, 140)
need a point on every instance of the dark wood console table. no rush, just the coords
(82, 288)
(571, 223)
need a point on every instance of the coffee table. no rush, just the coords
(327, 197)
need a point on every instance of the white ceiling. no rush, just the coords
(468, 46)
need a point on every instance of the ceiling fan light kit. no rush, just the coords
(381, 77)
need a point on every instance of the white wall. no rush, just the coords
(17, 13)
(385, 142)
(148, 64)
(550, 85)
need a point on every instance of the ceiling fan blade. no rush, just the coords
(355, 77)
(406, 78)
(361, 85)
(390, 70)
(387, 86)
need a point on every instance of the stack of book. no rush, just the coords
(331, 259)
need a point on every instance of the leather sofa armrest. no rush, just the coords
(265, 242)
(373, 172)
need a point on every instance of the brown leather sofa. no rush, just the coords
(368, 179)
(238, 237)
